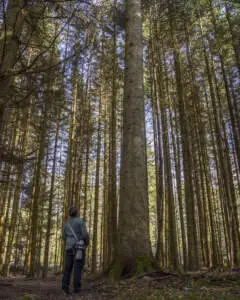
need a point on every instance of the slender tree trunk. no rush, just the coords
(112, 180)
(15, 16)
(16, 199)
(50, 205)
(96, 197)
(36, 196)
(193, 258)
(71, 143)
(7, 195)
(173, 255)
(235, 39)
(105, 217)
(88, 142)
(158, 161)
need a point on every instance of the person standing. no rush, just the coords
(74, 228)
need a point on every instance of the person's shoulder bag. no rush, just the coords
(79, 245)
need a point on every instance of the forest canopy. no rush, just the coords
(131, 111)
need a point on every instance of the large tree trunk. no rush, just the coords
(133, 252)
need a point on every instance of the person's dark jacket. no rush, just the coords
(80, 229)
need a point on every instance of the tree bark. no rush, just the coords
(133, 252)
(50, 205)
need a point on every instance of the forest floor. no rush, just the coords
(157, 285)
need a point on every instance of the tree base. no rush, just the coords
(131, 268)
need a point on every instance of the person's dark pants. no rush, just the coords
(70, 263)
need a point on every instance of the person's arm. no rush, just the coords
(64, 234)
(85, 234)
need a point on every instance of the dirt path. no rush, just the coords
(23, 289)
(152, 286)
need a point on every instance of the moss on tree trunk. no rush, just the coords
(125, 269)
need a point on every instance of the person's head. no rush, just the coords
(73, 211)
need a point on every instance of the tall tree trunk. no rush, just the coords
(200, 193)
(223, 162)
(50, 205)
(193, 257)
(133, 252)
(6, 192)
(112, 180)
(9, 43)
(96, 196)
(36, 195)
(235, 39)
(105, 216)
(158, 159)
(69, 183)
(172, 233)
(16, 198)
(88, 144)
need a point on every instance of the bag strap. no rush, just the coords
(73, 232)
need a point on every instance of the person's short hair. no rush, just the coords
(73, 211)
